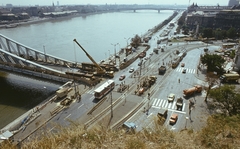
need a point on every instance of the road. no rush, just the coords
(125, 102)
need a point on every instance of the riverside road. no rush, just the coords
(128, 101)
(55, 37)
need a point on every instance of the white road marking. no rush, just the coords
(52, 129)
(67, 116)
(80, 106)
(149, 115)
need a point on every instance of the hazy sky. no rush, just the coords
(70, 2)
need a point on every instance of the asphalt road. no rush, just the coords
(165, 84)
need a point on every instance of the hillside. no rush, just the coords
(220, 132)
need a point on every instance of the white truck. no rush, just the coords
(62, 93)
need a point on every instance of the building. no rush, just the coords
(233, 2)
(222, 17)
(226, 19)
(200, 18)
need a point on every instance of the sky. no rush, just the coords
(84, 2)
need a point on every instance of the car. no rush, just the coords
(183, 64)
(122, 77)
(173, 119)
(184, 70)
(140, 63)
(171, 97)
(146, 58)
(131, 70)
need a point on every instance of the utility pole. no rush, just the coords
(115, 52)
(111, 105)
(45, 54)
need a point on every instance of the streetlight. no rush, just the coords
(186, 122)
(127, 40)
(115, 52)
(45, 54)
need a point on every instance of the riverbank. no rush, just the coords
(34, 20)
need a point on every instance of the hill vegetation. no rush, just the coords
(221, 132)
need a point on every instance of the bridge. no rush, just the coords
(146, 7)
(18, 58)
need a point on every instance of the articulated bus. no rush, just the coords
(104, 89)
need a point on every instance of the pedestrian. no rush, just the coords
(178, 80)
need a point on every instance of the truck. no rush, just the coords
(142, 54)
(152, 80)
(62, 93)
(155, 50)
(162, 116)
(161, 70)
(179, 103)
(130, 127)
(229, 77)
(192, 90)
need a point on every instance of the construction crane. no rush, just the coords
(100, 71)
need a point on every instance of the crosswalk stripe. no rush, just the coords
(183, 107)
(188, 70)
(194, 70)
(169, 105)
(164, 102)
(173, 106)
(155, 100)
(161, 103)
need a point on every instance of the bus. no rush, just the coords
(104, 89)
(228, 45)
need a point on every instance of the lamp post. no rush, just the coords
(45, 53)
(186, 122)
(115, 52)
(127, 40)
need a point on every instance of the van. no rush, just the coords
(162, 113)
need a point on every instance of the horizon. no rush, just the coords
(116, 2)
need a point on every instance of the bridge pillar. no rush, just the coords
(158, 10)
(134, 10)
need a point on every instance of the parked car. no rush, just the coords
(173, 119)
(171, 97)
(131, 70)
(122, 77)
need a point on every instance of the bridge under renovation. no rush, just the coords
(18, 58)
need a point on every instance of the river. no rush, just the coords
(97, 34)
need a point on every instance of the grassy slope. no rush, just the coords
(220, 132)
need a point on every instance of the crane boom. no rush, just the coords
(96, 64)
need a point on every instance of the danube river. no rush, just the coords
(97, 34)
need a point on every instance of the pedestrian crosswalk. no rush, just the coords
(163, 103)
(90, 92)
(188, 70)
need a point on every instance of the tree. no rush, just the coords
(211, 80)
(136, 41)
(228, 96)
(213, 62)
(231, 33)
(207, 33)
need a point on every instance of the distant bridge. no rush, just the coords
(146, 7)
(16, 57)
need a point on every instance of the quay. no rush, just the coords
(37, 117)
